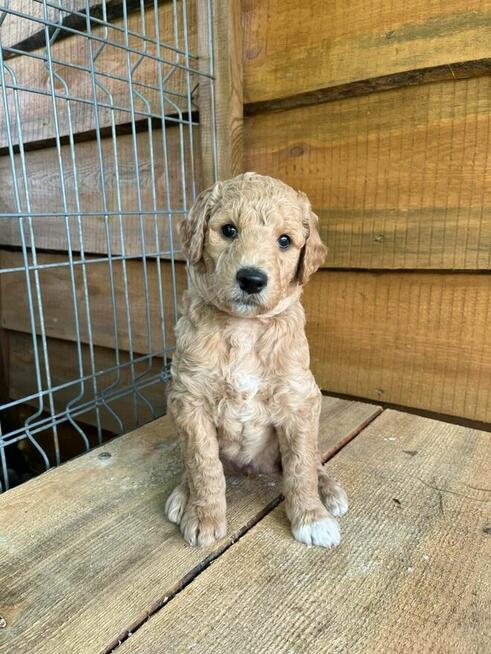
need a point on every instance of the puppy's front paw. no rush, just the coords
(313, 529)
(201, 527)
(333, 495)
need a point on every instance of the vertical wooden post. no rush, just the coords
(227, 65)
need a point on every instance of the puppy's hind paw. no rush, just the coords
(176, 503)
(333, 495)
(324, 532)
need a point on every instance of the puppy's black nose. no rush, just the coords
(252, 280)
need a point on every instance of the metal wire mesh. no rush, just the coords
(98, 123)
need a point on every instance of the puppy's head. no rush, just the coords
(251, 241)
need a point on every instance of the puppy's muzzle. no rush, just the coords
(251, 280)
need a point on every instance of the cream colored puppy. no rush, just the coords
(242, 391)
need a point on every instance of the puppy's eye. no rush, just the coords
(230, 231)
(284, 242)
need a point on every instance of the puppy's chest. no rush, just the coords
(244, 376)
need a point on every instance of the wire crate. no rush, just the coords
(98, 142)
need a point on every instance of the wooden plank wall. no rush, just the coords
(381, 114)
(140, 164)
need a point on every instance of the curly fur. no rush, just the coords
(242, 391)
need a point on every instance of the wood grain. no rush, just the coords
(83, 183)
(400, 179)
(36, 110)
(64, 368)
(413, 339)
(58, 303)
(109, 557)
(220, 107)
(413, 573)
(418, 77)
(292, 48)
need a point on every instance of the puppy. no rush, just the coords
(242, 392)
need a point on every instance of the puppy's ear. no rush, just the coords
(314, 251)
(192, 229)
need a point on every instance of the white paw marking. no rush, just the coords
(325, 533)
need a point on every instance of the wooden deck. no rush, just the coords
(88, 563)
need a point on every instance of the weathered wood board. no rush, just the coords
(36, 109)
(413, 573)
(292, 48)
(59, 305)
(400, 179)
(86, 190)
(413, 339)
(220, 100)
(86, 551)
